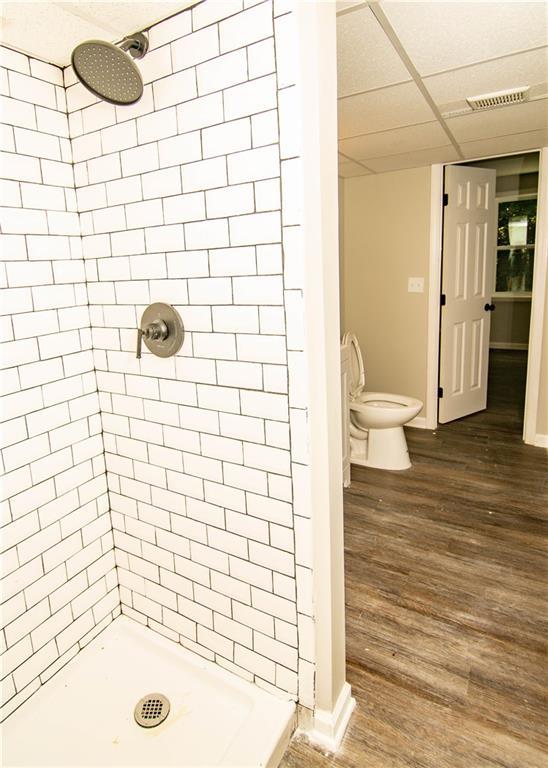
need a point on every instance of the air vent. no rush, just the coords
(499, 99)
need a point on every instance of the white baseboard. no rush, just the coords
(508, 345)
(541, 441)
(328, 728)
(419, 422)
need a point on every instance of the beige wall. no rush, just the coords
(510, 322)
(386, 240)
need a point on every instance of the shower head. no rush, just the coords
(107, 71)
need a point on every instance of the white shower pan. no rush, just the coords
(84, 715)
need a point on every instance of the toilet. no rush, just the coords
(376, 419)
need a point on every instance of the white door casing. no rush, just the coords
(469, 244)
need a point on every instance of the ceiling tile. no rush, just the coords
(23, 26)
(413, 159)
(531, 115)
(444, 35)
(501, 145)
(67, 24)
(395, 141)
(365, 57)
(530, 68)
(346, 170)
(391, 107)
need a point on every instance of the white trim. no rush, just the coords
(541, 441)
(329, 727)
(317, 97)
(419, 422)
(513, 296)
(512, 198)
(508, 345)
(495, 157)
(534, 359)
(434, 290)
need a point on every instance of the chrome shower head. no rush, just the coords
(107, 71)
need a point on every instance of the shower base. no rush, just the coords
(84, 715)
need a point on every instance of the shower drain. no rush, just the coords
(151, 710)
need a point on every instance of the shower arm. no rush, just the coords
(136, 45)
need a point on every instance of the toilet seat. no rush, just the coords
(357, 370)
(385, 400)
(358, 392)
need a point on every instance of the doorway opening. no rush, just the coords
(533, 410)
(488, 256)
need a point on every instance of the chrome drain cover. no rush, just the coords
(151, 710)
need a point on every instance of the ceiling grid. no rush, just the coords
(405, 70)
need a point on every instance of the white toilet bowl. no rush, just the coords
(376, 419)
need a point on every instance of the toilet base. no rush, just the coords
(382, 449)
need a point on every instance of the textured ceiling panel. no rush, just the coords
(49, 31)
(365, 57)
(444, 35)
(531, 115)
(390, 107)
(395, 141)
(413, 159)
(499, 146)
(529, 68)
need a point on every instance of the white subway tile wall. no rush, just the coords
(181, 200)
(59, 584)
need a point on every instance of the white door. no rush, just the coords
(469, 244)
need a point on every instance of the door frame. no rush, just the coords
(538, 299)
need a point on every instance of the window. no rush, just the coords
(517, 218)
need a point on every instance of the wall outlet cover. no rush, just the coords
(415, 285)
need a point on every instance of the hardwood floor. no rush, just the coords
(447, 598)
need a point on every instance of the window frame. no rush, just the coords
(512, 295)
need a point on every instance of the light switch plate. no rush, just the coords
(415, 285)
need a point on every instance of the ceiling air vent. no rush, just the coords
(499, 98)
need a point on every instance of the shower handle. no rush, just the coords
(161, 329)
(157, 331)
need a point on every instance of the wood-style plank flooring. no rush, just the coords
(447, 598)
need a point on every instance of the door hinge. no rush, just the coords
(442, 300)
(445, 198)
(440, 391)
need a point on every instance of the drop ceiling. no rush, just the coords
(49, 31)
(406, 68)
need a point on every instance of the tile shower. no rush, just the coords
(169, 490)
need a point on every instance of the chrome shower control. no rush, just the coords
(162, 330)
(153, 332)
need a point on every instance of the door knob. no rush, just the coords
(489, 307)
(162, 330)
